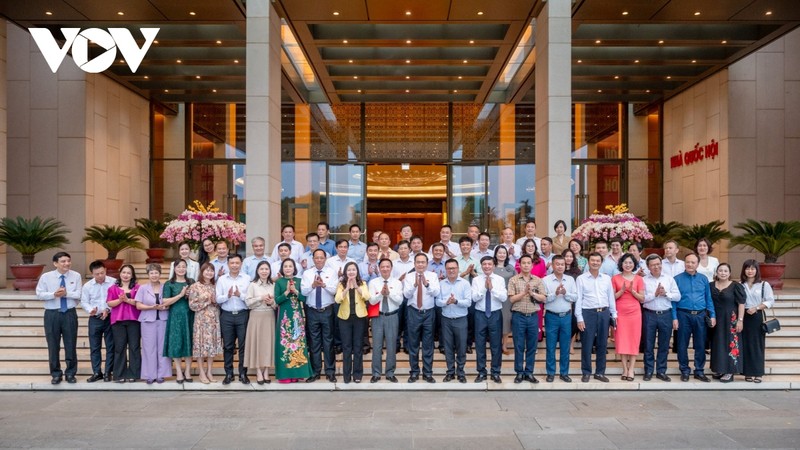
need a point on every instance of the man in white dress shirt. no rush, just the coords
(318, 285)
(482, 247)
(660, 292)
(671, 265)
(402, 266)
(507, 241)
(93, 300)
(287, 232)
(307, 259)
(387, 292)
(530, 233)
(594, 310)
(489, 292)
(231, 290)
(284, 253)
(421, 289)
(451, 249)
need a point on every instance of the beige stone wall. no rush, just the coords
(78, 148)
(3, 146)
(753, 110)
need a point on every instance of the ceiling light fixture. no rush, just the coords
(359, 90)
(597, 41)
(355, 77)
(155, 42)
(336, 13)
(465, 61)
(455, 91)
(120, 13)
(471, 41)
(724, 42)
(661, 42)
(694, 61)
(648, 91)
(636, 61)
(408, 13)
(580, 61)
(408, 61)
(192, 13)
(350, 61)
(166, 90)
(219, 42)
(460, 77)
(599, 91)
(213, 90)
(616, 77)
(408, 77)
(146, 77)
(197, 76)
(407, 91)
(697, 13)
(48, 13)
(480, 13)
(408, 41)
(669, 77)
(122, 61)
(768, 13)
(179, 61)
(344, 41)
(624, 13)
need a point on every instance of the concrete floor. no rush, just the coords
(326, 420)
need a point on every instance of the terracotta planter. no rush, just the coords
(26, 276)
(112, 266)
(155, 255)
(772, 273)
(651, 251)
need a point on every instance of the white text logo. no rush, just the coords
(79, 42)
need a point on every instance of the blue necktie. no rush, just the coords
(63, 299)
(488, 306)
(319, 292)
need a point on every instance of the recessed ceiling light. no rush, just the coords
(408, 41)
(350, 61)
(344, 41)
(471, 42)
(166, 90)
(624, 13)
(408, 13)
(120, 13)
(146, 77)
(616, 77)
(697, 13)
(661, 41)
(213, 90)
(336, 13)
(694, 61)
(407, 91)
(197, 76)
(636, 61)
(465, 61)
(460, 77)
(597, 41)
(122, 61)
(155, 42)
(669, 77)
(355, 77)
(48, 13)
(455, 90)
(599, 90)
(192, 13)
(236, 61)
(359, 90)
(647, 91)
(724, 42)
(219, 42)
(408, 77)
(408, 61)
(179, 61)
(580, 61)
(480, 13)
(768, 13)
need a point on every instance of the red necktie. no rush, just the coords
(420, 277)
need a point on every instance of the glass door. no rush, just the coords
(346, 198)
(467, 194)
(595, 185)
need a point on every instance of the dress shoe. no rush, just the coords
(120, 380)
(188, 380)
(109, 376)
(429, 379)
(462, 379)
(150, 381)
(243, 378)
(585, 378)
(374, 379)
(413, 378)
(392, 378)
(469, 350)
(518, 379)
(260, 381)
(179, 381)
(480, 378)
(331, 378)
(131, 380)
(312, 378)
(497, 379)
(531, 378)
(337, 350)
(96, 377)
(701, 377)
(727, 378)
(565, 378)
(550, 378)
(357, 380)
(663, 377)
(602, 378)
(717, 376)
(347, 381)
(55, 380)
(647, 377)
(71, 379)
(684, 377)
(448, 378)
(228, 380)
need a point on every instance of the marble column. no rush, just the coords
(3, 145)
(553, 114)
(263, 123)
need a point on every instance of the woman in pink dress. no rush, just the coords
(629, 292)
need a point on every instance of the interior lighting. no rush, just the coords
(219, 42)
(661, 41)
(480, 13)
(48, 13)
(120, 13)
(236, 61)
(768, 13)
(408, 13)
(697, 13)
(597, 41)
(336, 13)
(179, 61)
(192, 13)
(624, 13)
(344, 41)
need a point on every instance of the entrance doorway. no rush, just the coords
(413, 194)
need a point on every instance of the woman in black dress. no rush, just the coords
(726, 356)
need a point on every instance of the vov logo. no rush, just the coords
(79, 42)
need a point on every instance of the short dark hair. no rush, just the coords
(311, 235)
(560, 222)
(548, 239)
(531, 220)
(343, 240)
(288, 225)
(237, 256)
(438, 244)
(557, 258)
(463, 239)
(319, 250)
(447, 225)
(615, 239)
(487, 258)
(405, 225)
(355, 225)
(380, 261)
(372, 244)
(413, 238)
(284, 244)
(671, 241)
(60, 255)
(600, 241)
(622, 260)
(636, 244)
(403, 242)
(96, 264)
(423, 254)
(523, 256)
(708, 243)
(294, 266)
(651, 257)
(483, 233)
(451, 260)
(327, 227)
(595, 254)
(747, 264)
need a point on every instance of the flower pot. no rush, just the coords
(113, 266)
(653, 251)
(26, 276)
(772, 273)
(155, 255)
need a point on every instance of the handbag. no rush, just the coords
(768, 326)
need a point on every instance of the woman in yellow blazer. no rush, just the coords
(352, 296)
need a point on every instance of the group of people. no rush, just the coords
(290, 312)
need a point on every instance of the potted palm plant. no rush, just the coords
(151, 230)
(713, 231)
(114, 239)
(29, 237)
(772, 240)
(662, 232)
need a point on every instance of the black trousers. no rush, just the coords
(234, 328)
(319, 331)
(402, 333)
(58, 326)
(420, 334)
(454, 335)
(127, 349)
(352, 333)
(100, 331)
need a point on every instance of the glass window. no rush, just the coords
(511, 196)
(303, 196)
(346, 197)
(467, 197)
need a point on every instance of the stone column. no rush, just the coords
(553, 114)
(3, 145)
(263, 126)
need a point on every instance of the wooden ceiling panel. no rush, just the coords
(782, 10)
(323, 10)
(35, 11)
(108, 10)
(421, 10)
(217, 10)
(710, 10)
(506, 10)
(611, 10)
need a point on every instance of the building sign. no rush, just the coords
(697, 154)
(79, 42)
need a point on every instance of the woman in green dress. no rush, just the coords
(291, 350)
(178, 340)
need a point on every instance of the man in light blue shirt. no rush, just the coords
(259, 254)
(325, 243)
(455, 297)
(689, 315)
(220, 263)
(356, 249)
(562, 292)
(93, 300)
